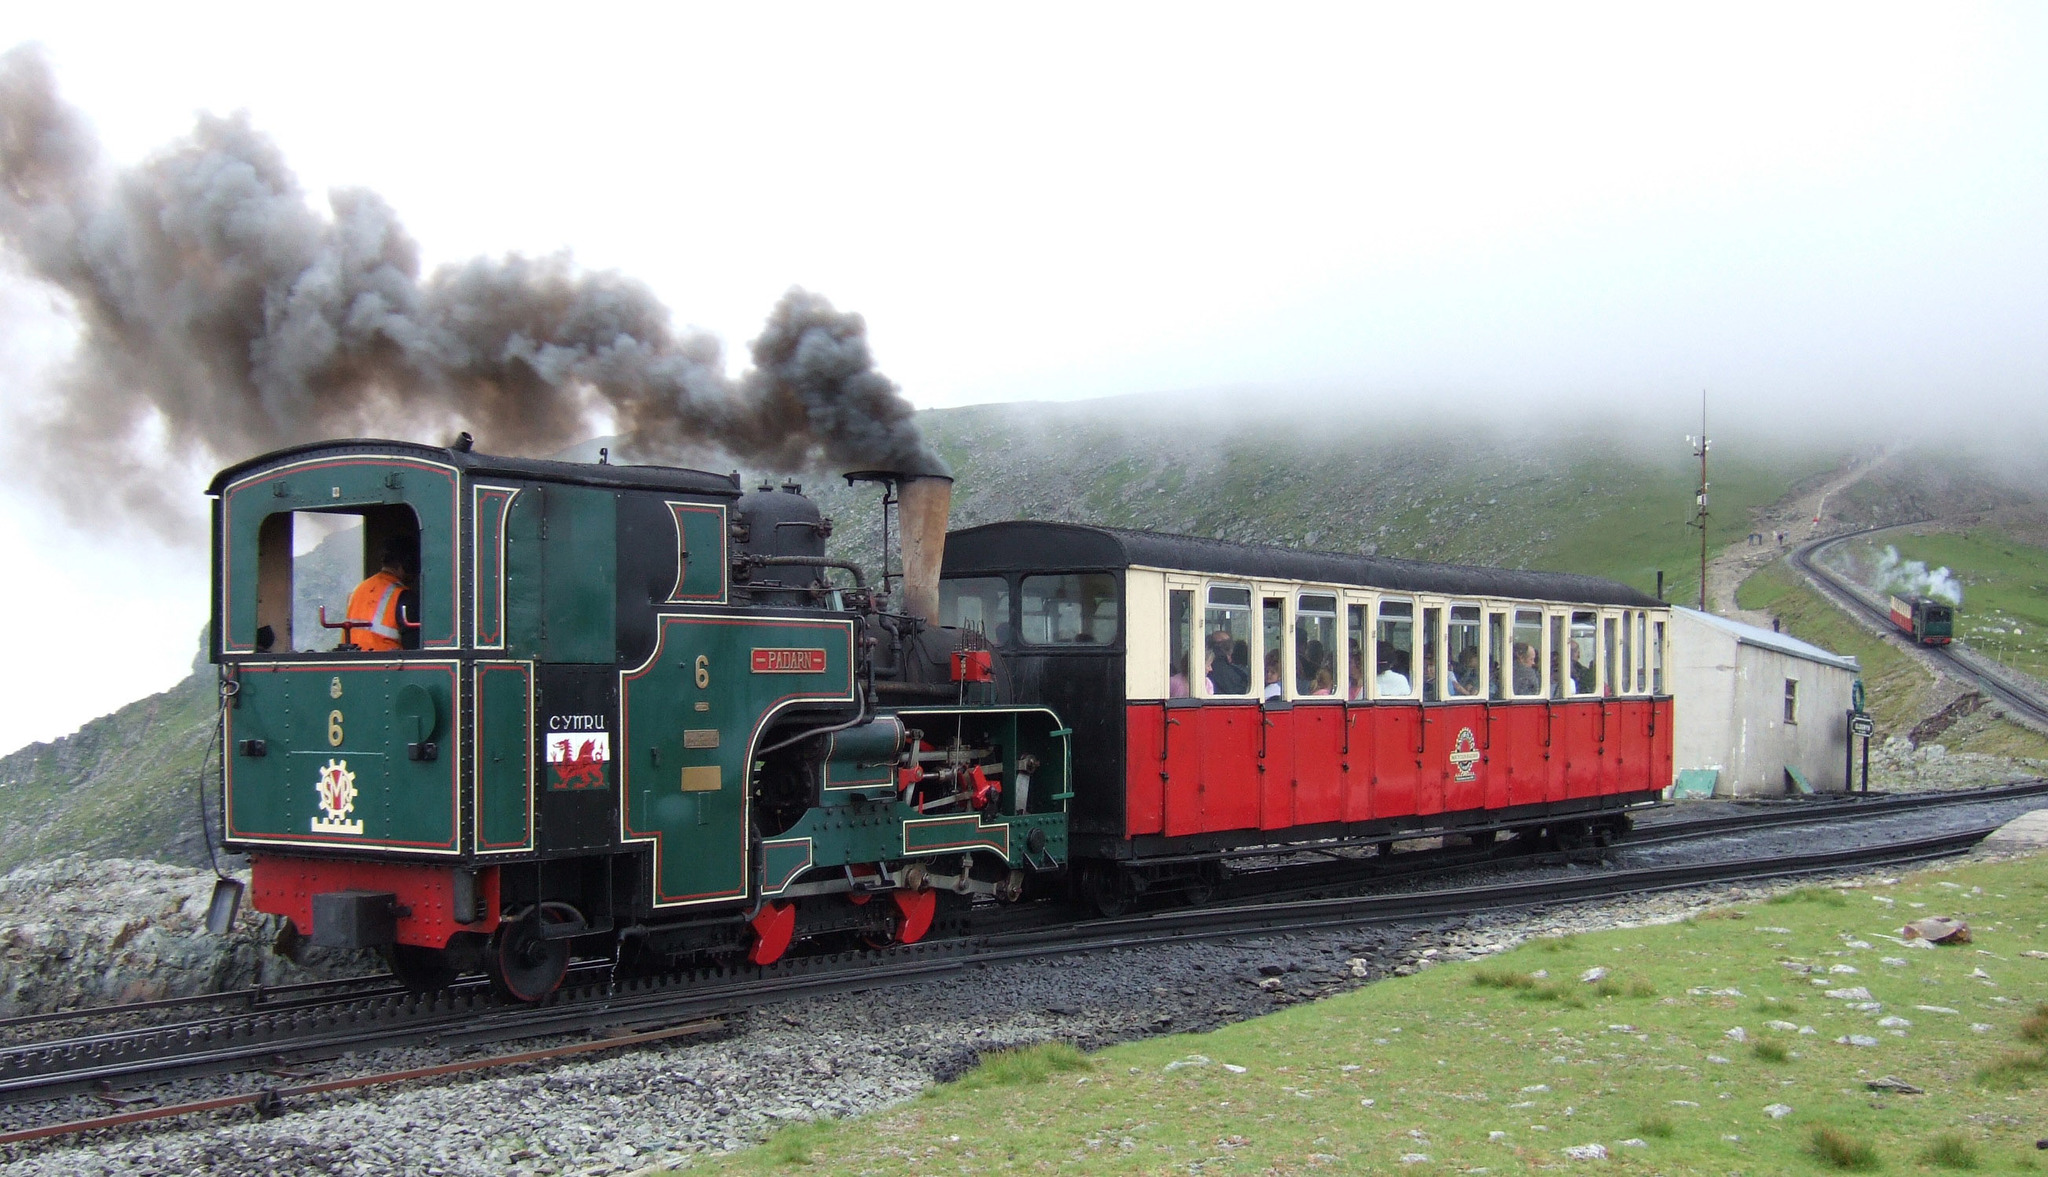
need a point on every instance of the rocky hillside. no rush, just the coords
(1582, 495)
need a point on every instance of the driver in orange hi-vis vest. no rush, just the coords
(374, 616)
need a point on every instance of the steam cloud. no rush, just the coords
(221, 316)
(1910, 577)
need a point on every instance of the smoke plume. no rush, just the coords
(221, 316)
(1911, 577)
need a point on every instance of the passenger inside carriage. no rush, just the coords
(1392, 683)
(1528, 680)
(1432, 690)
(1358, 673)
(1273, 688)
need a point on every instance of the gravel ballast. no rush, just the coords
(839, 1055)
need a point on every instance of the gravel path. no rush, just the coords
(837, 1056)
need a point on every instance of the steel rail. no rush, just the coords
(1811, 811)
(270, 1101)
(471, 1021)
(1960, 664)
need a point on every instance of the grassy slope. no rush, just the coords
(1899, 690)
(1434, 1065)
(124, 784)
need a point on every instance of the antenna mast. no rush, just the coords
(1700, 445)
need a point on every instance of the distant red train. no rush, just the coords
(1926, 621)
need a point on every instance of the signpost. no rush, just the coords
(1863, 724)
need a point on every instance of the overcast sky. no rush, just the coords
(1803, 208)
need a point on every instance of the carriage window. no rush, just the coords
(1560, 661)
(1496, 649)
(1227, 656)
(1315, 644)
(315, 563)
(1628, 650)
(1353, 686)
(1584, 653)
(1463, 648)
(1394, 651)
(1525, 667)
(1432, 654)
(1272, 668)
(1657, 659)
(979, 603)
(1642, 651)
(1608, 648)
(1180, 642)
(1076, 609)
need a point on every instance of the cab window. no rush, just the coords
(1073, 609)
(979, 603)
(313, 566)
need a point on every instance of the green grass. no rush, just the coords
(1839, 1150)
(1024, 1066)
(1950, 1150)
(1435, 1063)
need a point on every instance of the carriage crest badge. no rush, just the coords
(337, 789)
(1465, 756)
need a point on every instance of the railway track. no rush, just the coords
(1957, 662)
(597, 1002)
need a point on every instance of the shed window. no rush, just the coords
(1791, 700)
(1074, 609)
(1394, 651)
(1227, 658)
(979, 603)
(1315, 644)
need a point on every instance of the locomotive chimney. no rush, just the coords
(924, 502)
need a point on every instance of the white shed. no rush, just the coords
(1761, 709)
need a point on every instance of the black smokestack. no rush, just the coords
(221, 316)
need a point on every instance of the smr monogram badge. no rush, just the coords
(1465, 756)
(337, 797)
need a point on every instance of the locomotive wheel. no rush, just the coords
(522, 965)
(422, 970)
(1108, 890)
